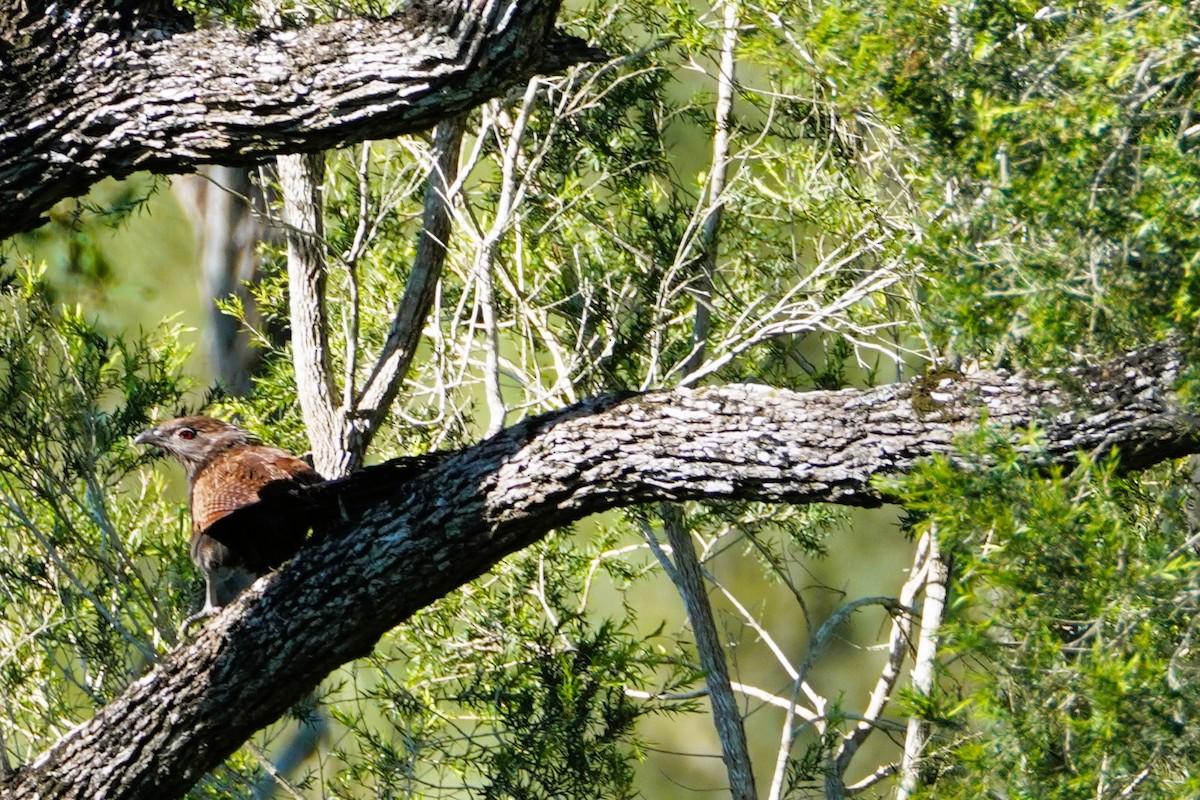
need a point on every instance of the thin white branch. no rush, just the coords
(899, 642)
(483, 271)
(350, 320)
(754, 624)
(300, 179)
(923, 667)
(706, 265)
(882, 772)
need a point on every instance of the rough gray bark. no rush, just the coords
(334, 600)
(99, 88)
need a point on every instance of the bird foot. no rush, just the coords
(199, 616)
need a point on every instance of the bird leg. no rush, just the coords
(199, 616)
(221, 587)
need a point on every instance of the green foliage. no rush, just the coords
(1061, 165)
(70, 241)
(92, 574)
(1062, 180)
(510, 689)
(1067, 667)
(518, 689)
(596, 271)
(1012, 181)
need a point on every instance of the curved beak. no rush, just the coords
(148, 436)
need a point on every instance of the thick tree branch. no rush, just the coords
(333, 601)
(96, 89)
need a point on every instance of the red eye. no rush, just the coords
(186, 433)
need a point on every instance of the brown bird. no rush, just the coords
(227, 471)
(253, 505)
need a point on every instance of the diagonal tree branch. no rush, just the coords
(727, 717)
(381, 388)
(97, 89)
(334, 600)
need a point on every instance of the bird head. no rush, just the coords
(194, 441)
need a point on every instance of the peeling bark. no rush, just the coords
(101, 88)
(333, 601)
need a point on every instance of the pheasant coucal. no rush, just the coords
(227, 470)
(253, 505)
